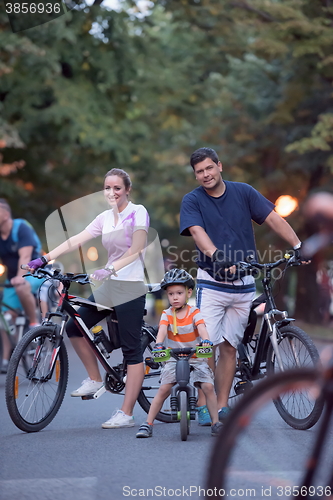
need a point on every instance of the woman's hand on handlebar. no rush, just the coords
(101, 274)
(35, 264)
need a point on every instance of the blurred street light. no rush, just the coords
(2, 269)
(92, 254)
(285, 205)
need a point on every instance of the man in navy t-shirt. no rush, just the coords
(12, 255)
(218, 215)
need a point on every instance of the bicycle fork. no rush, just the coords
(273, 335)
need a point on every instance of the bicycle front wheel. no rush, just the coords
(34, 391)
(256, 454)
(296, 351)
(151, 383)
(184, 421)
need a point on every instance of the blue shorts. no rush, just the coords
(10, 297)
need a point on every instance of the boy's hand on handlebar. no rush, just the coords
(206, 342)
(159, 347)
(101, 274)
(35, 264)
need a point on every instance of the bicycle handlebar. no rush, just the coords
(249, 266)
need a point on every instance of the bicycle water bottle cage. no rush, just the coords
(203, 351)
(161, 355)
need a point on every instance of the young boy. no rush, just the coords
(181, 326)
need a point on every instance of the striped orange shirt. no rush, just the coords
(187, 335)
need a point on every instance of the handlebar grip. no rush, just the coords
(24, 267)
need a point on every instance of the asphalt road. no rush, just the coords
(75, 458)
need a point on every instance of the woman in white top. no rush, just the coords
(123, 228)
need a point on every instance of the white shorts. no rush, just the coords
(201, 372)
(225, 314)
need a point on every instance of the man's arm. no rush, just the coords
(202, 240)
(25, 254)
(282, 228)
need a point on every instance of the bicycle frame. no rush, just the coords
(272, 319)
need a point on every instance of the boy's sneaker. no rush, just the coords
(88, 387)
(145, 431)
(203, 415)
(216, 428)
(224, 413)
(117, 420)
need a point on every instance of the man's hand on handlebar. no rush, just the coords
(298, 258)
(206, 342)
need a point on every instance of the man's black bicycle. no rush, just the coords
(278, 346)
(38, 369)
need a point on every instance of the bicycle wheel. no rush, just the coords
(256, 454)
(184, 421)
(297, 350)
(151, 384)
(34, 398)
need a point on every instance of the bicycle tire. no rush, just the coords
(297, 350)
(151, 383)
(32, 400)
(226, 470)
(184, 422)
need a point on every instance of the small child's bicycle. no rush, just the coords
(183, 397)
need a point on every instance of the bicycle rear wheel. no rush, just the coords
(33, 398)
(297, 350)
(151, 384)
(256, 454)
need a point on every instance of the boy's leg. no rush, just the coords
(157, 403)
(211, 401)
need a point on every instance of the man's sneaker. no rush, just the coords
(216, 428)
(224, 413)
(119, 419)
(88, 387)
(203, 415)
(145, 431)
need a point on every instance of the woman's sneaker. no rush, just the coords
(203, 415)
(145, 431)
(119, 419)
(88, 388)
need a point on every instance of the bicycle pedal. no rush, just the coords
(242, 386)
(152, 364)
(87, 396)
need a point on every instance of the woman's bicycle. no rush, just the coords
(35, 394)
(277, 347)
(256, 454)
(183, 398)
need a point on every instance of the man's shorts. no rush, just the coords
(200, 373)
(225, 314)
(10, 297)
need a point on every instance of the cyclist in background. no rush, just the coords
(13, 253)
(123, 227)
(218, 215)
(181, 326)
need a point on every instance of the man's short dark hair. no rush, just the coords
(4, 204)
(201, 154)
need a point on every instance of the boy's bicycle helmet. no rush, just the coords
(177, 277)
